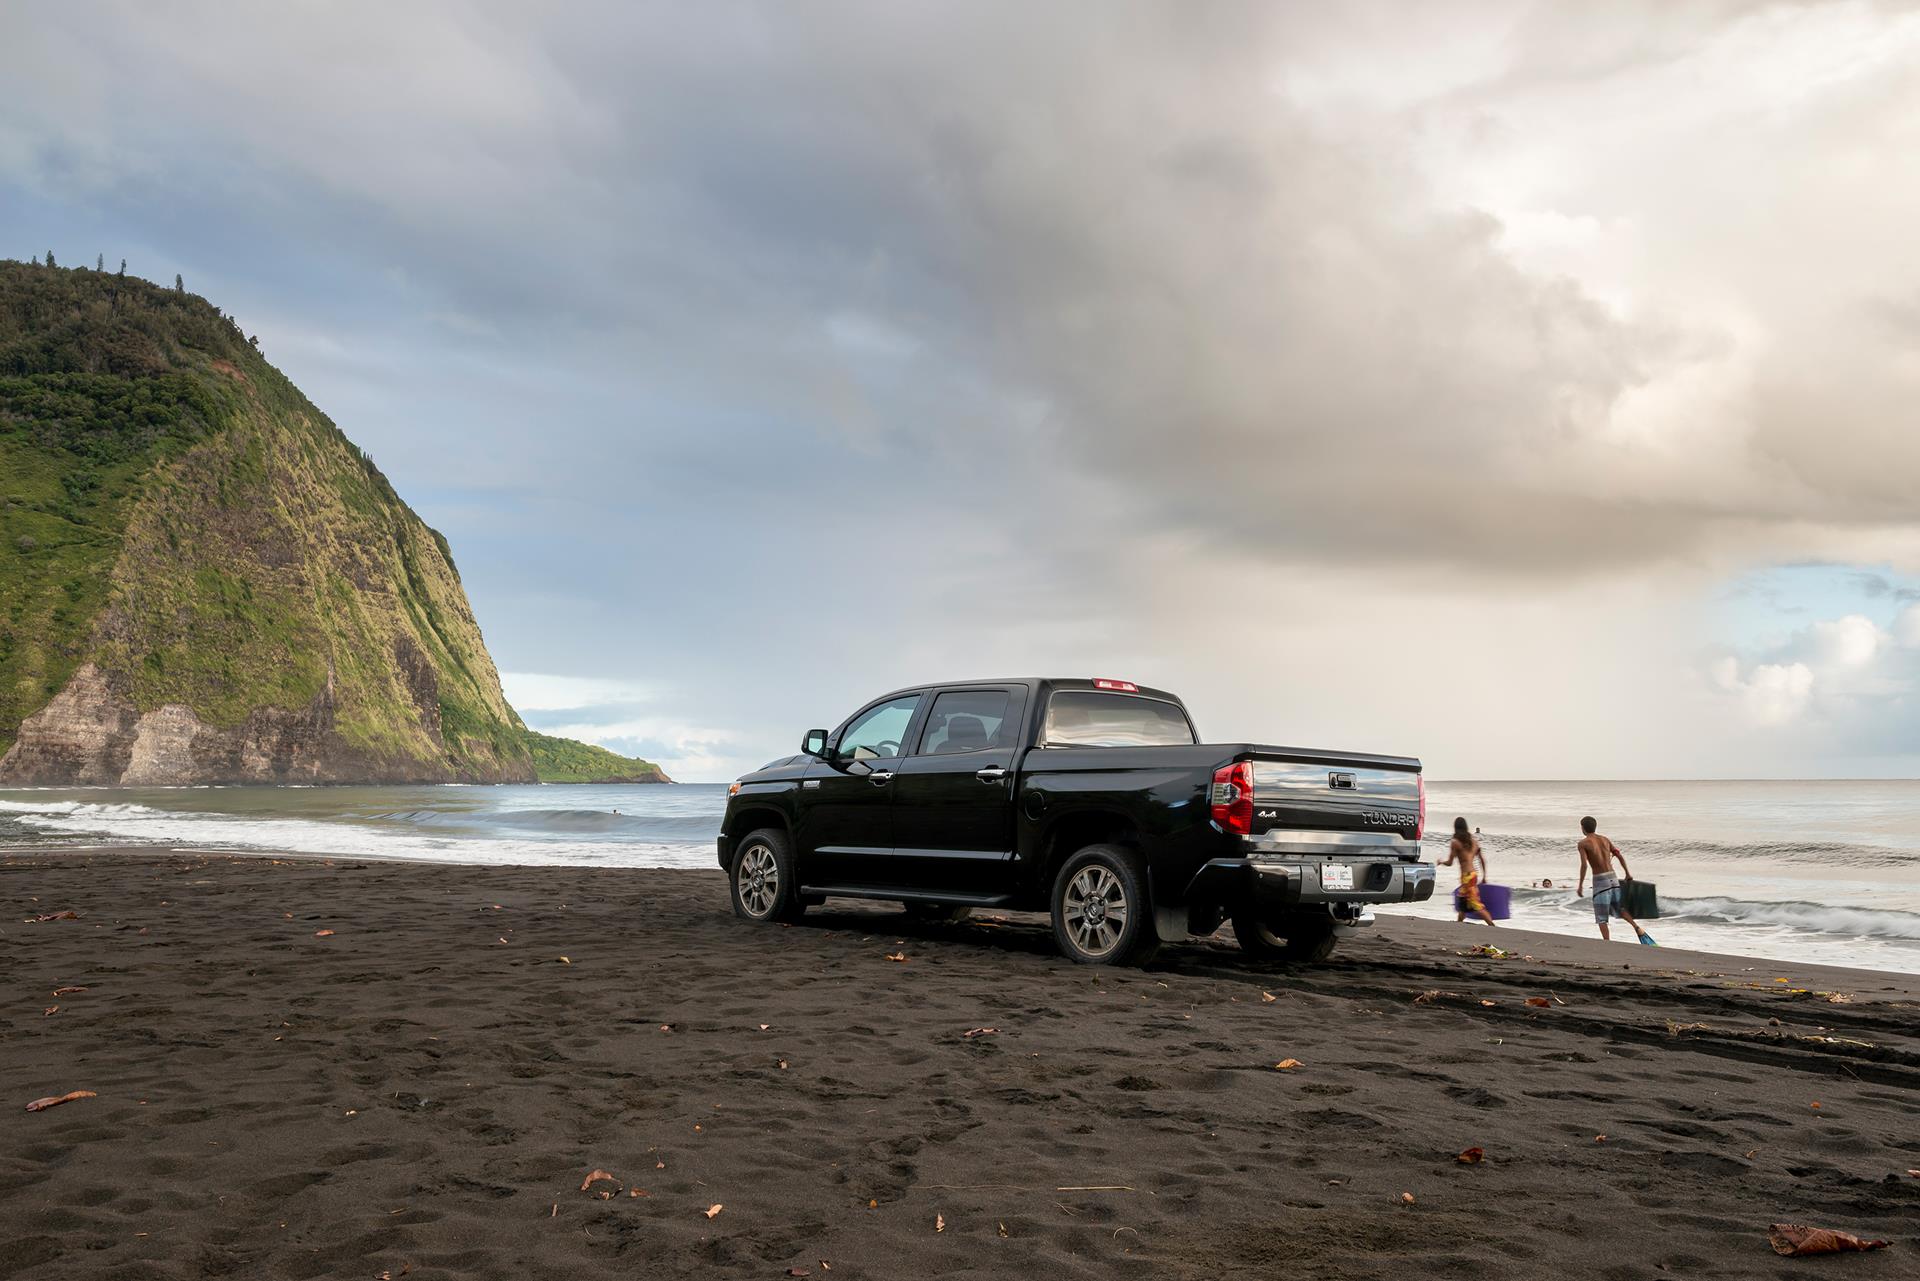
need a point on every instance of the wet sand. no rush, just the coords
(422, 1092)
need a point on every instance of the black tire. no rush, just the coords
(936, 913)
(1111, 876)
(763, 882)
(1297, 938)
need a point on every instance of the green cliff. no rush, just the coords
(201, 578)
(562, 760)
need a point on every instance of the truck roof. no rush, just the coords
(1112, 685)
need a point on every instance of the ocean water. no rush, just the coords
(1810, 871)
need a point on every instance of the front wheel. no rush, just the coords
(1101, 913)
(764, 885)
(1295, 937)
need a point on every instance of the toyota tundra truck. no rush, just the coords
(1093, 800)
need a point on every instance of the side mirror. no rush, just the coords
(815, 743)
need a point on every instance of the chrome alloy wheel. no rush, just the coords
(1095, 910)
(758, 880)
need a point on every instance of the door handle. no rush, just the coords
(991, 774)
(881, 777)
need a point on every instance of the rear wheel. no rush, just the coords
(1295, 936)
(1101, 913)
(764, 885)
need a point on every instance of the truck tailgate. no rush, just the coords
(1312, 791)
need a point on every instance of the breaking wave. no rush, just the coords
(1819, 918)
(331, 822)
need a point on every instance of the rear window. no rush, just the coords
(1088, 718)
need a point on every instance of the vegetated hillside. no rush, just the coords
(201, 578)
(562, 760)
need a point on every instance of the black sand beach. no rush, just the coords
(423, 1091)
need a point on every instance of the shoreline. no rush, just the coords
(1402, 925)
(426, 1087)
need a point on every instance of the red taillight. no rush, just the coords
(1232, 798)
(1420, 824)
(1125, 687)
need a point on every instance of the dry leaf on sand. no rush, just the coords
(1797, 1238)
(713, 1211)
(44, 917)
(323, 934)
(1486, 1002)
(1472, 1156)
(595, 1177)
(1287, 1065)
(970, 1033)
(50, 1011)
(1268, 998)
(55, 1100)
(67, 991)
(1540, 1001)
(896, 956)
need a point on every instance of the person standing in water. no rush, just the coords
(1598, 854)
(1465, 847)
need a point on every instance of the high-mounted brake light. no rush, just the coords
(1420, 824)
(1231, 798)
(1125, 687)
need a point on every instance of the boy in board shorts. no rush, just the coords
(1598, 854)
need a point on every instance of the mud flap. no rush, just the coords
(1169, 923)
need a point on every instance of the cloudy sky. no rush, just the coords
(1530, 387)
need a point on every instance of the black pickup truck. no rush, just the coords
(1092, 799)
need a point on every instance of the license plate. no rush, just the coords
(1336, 876)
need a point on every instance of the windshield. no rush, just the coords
(1088, 718)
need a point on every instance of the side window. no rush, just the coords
(878, 731)
(966, 720)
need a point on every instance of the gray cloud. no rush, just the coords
(1069, 307)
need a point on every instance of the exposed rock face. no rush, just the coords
(84, 736)
(89, 735)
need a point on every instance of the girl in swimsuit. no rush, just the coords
(1465, 847)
